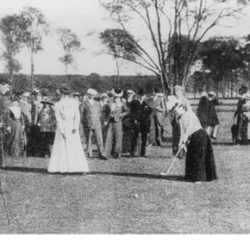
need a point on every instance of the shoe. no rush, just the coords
(102, 157)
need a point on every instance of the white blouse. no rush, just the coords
(189, 124)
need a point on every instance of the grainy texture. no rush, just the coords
(129, 195)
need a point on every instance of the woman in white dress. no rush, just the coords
(67, 154)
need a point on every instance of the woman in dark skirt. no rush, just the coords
(200, 164)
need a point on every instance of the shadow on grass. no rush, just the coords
(137, 175)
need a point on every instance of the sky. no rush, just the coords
(85, 17)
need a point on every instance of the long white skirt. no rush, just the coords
(67, 154)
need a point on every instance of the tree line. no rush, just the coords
(171, 41)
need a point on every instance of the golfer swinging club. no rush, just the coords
(200, 164)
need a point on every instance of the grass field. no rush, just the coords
(129, 195)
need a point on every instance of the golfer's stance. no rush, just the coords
(200, 164)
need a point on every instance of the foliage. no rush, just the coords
(11, 27)
(162, 20)
(70, 43)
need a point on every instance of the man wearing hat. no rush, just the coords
(238, 113)
(91, 115)
(105, 114)
(113, 143)
(26, 110)
(4, 107)
(46, 122)
(157, 117)
(140, 112)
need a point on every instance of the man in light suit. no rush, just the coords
(157, 117)
(91, 119)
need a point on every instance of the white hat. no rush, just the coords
(130, 91)
(159, 94)
(26, 94)
(211, 93)
(4, 88)
(117, 92)
(92, 92)
(172, 102)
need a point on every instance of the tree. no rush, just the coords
(121, 45)
(35, 27)
(165, 19)
(70, 43)
(224, 58)
(10, 27)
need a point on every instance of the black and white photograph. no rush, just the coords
(124, 117)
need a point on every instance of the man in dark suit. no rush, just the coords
(92, 121)
(140, 112)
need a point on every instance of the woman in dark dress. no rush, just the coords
(200, 164)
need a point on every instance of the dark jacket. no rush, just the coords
(140, 113)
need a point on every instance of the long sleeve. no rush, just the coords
(59, 119)
(76, 117)
(189, 124)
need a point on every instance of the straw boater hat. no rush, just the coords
(47, 100)
(92, 92)
(77, 94)
(117, 92)
(65, 90)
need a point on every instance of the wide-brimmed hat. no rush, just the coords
(178, 87)
(92, 92)
(211, 93)
(130, 92)
(117, 92)
(26, 94)
(77, 94)
(242, 90)
(35, 91)
(47, 100)
(65, 89)
(104, 96)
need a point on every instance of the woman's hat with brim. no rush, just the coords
(46, 100)
(26, 94)
(130, 92)
(211, 93)
(104, 96)
(242, 90)
(65, 90)
(77, 94)
(92, 92)
(117, 92)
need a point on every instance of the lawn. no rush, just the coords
(129, 195)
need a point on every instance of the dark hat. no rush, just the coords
(141, 92)
(242, 90)
(117, 92)
(47, 100)
(65, 90)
